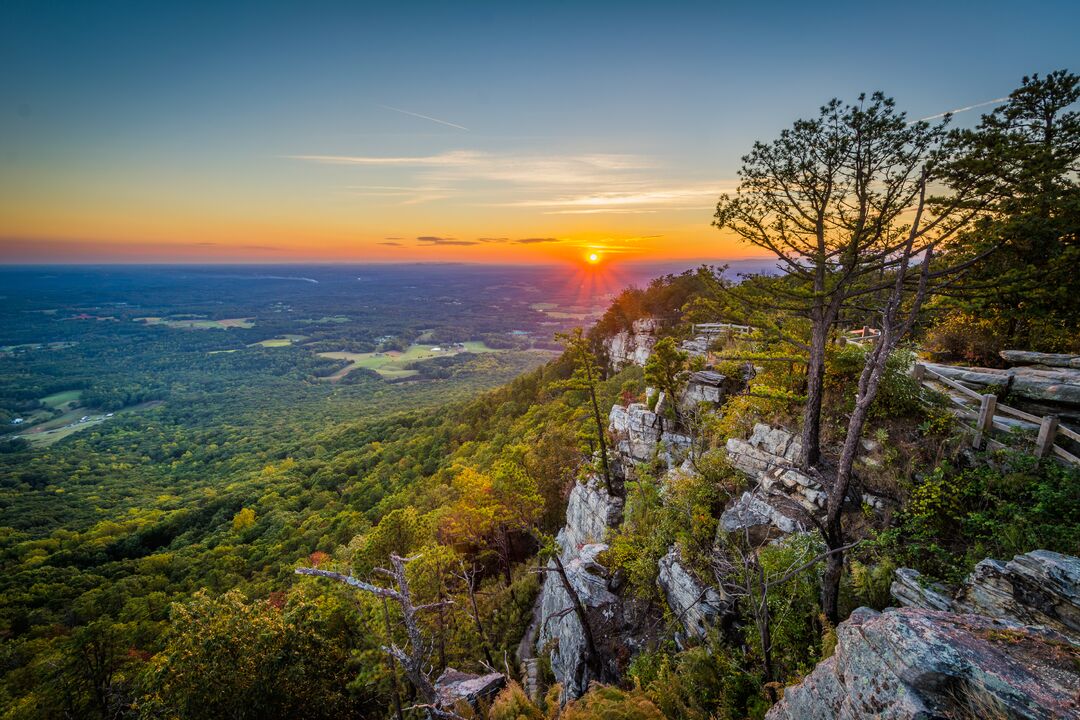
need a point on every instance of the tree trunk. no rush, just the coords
(815, 385)
(476, 616)
(393, 663)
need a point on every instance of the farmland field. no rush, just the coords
(198, 323)
(391, 364)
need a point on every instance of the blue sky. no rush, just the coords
(151, 128)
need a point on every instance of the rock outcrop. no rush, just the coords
(1036, 588)
(758, 517)
(915, 664)
(634, 346)
(640, 435)
(708, 387)
(697, 605)
(771, 456)
(618, 625)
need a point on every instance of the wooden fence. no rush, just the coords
(717, 328)
(989, 408)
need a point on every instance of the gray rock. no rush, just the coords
(1037, 588)
(640, 435)
(1026, 357)
(915, 664)
(910, 591)
(632, 347)
(454, 686)
(590, 512)
(698, 606)
(751, 512)
(1057, 385)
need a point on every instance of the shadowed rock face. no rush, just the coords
(1036, 588)
(698, 606)
(914, 664)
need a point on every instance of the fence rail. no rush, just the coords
(709, 328)
(989, 407)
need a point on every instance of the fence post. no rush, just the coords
(986, 419)
(1044, 444)
(918, 372)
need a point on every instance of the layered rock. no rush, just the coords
(590, 512)
(771, 456)
(1059, 385)
(698, 606)
(1037, 588)
(705, 386)
(915, 664)
(632, 347)
(751, 513)
(1026, 357)
(640, 435)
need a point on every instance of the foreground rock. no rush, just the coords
(1037, 588)
(454, 687)
(914, 664)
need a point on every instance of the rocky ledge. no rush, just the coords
(1036, 588)
(915, 664)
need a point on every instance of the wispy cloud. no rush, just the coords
(425, 117)
(691, 195)
(534, 240)
(436, 240)
(391, 244)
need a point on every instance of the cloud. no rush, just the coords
(425, 117)
(436, 240)
(393, 238)
(493, 239)
(534, 240)
(391, 244)
(665, 197)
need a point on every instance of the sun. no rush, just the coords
(593, 258)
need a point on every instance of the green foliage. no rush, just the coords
(226, 657)
(665, 370)
(1005, 505)
(899, 393)
(701, 683)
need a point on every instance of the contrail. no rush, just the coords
(960, 110)
(425, 117)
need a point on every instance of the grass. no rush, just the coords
(62, 398)
(391, 364)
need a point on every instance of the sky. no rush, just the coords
(448, 131)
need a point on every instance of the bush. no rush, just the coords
(898, 395)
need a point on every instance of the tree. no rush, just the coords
(1027, 292)
(830, 198)
(665, 370)
(585, 378)
(414, 660)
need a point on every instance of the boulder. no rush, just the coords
(704, 386)
(697, 605)
(640, 435)
(915, 664)
(454, 686)
(1036, 588)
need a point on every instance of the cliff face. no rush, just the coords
(634, 346)
(915, 664)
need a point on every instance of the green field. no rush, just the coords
(198, 324)
(62, 398)
(282, 340)
(392, 364)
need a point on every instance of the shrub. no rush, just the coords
(604, 702)
(513, 704)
